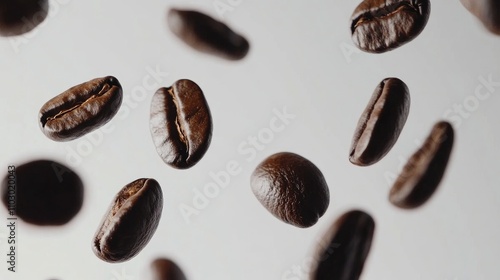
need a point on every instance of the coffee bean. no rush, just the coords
(42, 192)
(487, 11)
(292, 188)
(181, 124)
(345, 248)
(21, 16)
(378, 26)
(207, 35)
(424, 170)
(130, 221)
(81, 109)
(165, 269)
(381, 123)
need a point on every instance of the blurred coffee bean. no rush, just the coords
(487, 11)
(21, 16)
(166, 269)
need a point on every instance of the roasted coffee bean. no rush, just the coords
(165, 269)
(378, 26)
(130, 221)
(381, 123)
(207, 35)
(21, 16)
(42, 192)
(345, 248)
(487, 11)
(424, 170)
(181, 124)
(292, 188)
(81, 109)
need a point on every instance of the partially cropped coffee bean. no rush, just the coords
(381, 123)
(345, 247)
(81, 109)
(21, 16)
(424, 170)
(165, 269)
(378, 26)
(292, 188)
(181, 124)
(130, 221)
(487, 11)
(42, 192)
(207, 35)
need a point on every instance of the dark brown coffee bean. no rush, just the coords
(81, 109)
(348, 243)
(130, 221)
(21, 16)
(487, 11)
(381, 123)
(165, 269)
(181, 124)
(292, 188)
(206, 34)
(424, 170)
(378, 26)
(42, 192)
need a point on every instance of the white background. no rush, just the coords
(301, 58)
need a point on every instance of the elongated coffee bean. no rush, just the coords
(165, 269)
(81, 109)
(487, 11)
(424, 170)
(181, 124)
(130, 221)
(381, 123)
(42, 192)
(378, 26)
(345, 248)
(207, 35)
(21, 16)
(292, 188)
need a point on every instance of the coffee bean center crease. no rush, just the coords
(387, 11)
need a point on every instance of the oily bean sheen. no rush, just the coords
(292, 188)
(165, 269)
(21, 16)
(207, 35)
(378, 26)
(423, 172)
(81, 109)
(42, 192)
(130, 221)
(381, 123)
(345, 248)
(181, 124)
(487, 11)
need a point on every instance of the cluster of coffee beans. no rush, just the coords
(288, 185)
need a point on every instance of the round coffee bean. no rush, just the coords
(130, 221)
(166, 269)
(292, 188)
(378, 26)
(181, 124)
(42, 192)
(21, 16)
(81, 109)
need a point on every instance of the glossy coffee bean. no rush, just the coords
(21, 16)
(181, 124)
(207, 35)
(344, 248)
(487, 11)
(130, 221)
(81, 109)
(166, 269)
(378, 26)
(381, 123)
(42, 192)
(292, 188)
(424, 170)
